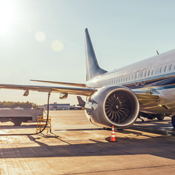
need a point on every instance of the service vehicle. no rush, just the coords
(19, 115)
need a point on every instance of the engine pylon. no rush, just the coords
(113, 138)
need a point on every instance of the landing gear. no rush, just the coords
(173, 121)
(160, 117)
(150, 116)
(140, 118)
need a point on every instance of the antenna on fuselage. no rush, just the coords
(157, 52)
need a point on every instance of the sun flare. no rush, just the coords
(6, 15)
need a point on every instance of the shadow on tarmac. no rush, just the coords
(165, 122)
(155, 126)
(80, 129)
(18, 127)
(160, 146)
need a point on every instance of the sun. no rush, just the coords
(6, 15)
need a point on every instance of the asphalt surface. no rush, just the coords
(75, 146)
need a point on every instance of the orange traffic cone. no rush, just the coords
(113, 139)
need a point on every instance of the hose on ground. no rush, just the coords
(47, 115)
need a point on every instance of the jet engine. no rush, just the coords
(112, 106)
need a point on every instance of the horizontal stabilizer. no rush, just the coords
(62, 83)
(81, 101)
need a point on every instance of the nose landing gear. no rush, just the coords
(160, 117)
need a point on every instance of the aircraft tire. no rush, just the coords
(17, 121)
(160, 117)
(173, 121)
(150, 116)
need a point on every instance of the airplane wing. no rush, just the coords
(69, 90)
(144, 95)
(63, 83)
(147, 95)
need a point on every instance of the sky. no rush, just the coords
(44, 39)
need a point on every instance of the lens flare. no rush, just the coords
(6, 15)
(57, 46)
(40, 36)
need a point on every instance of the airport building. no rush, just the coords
(56, 106)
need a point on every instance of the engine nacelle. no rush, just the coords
(113, 106)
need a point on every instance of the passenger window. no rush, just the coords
(142, 74)
(170, 67)
(152, 72)
(137, 74)
(165, 69)
(145, 73)
(161, 70)
(148, 72)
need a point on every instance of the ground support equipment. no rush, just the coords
(41, 122)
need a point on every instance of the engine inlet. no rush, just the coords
(118, 107)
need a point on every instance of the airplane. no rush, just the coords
(117, 98)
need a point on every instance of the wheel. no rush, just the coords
(150, 116)
(160, 117)
(173, 121)
(17, 121)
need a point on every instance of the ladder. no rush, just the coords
(41, 121)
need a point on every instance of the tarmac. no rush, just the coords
(75, 146)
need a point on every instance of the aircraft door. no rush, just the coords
(137, 78)
(142, 77)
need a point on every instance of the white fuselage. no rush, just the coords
(154, 68)
(140, 75)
